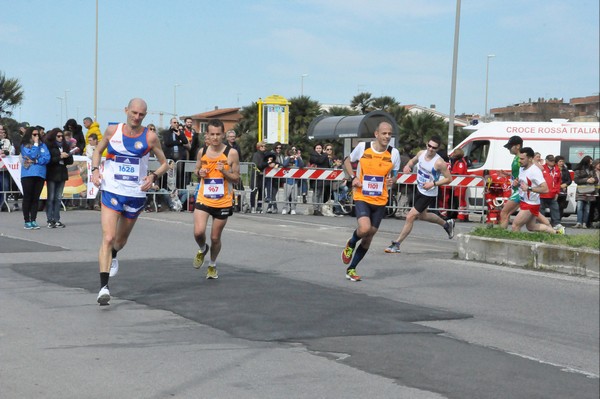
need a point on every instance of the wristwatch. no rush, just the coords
(95, 168)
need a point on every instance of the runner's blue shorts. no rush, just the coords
(129, 207)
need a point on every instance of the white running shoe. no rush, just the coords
(450, 228)
(103, 296)
(114, 267)
(284, 212)
(292, 212)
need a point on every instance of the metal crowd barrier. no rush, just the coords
(451, 199)
(324, 184)
(185, 180)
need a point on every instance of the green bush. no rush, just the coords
(587, 240)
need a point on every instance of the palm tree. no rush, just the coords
(398, 112)
(302, 112)
(384, 103)
(416, 129)
(362, 102)
(11, 94)
(340, 111)
(247, 127)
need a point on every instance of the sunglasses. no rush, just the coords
(35, 134)
(151, 128)
(432, 147)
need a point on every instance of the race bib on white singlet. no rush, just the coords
(423, 177)
(372, 186)
(127, 168)
(214, 188)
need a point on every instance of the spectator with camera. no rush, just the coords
(56, 175)
(274, 159)
(320, 159)
(290, 188)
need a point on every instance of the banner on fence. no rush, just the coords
(79, 184)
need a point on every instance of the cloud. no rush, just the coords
(11, 34)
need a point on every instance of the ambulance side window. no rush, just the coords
(574, 151)
(476, 153)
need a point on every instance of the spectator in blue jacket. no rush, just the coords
(34, 158)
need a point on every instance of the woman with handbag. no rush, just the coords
(585, 178)
(56, 175)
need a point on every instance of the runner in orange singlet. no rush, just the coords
(218, 167)
(378, 164)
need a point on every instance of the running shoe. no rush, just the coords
(28, 226)
(284, 212)
(199, 259)
(51, 225)
(59, 224)
(450, 228)
(394, 248)
(103, 296)
(292, 212)
(560, 230)
(114, 267)
(347, 253)
(211, 273)
(351, 275)
(35, 226)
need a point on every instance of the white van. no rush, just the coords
(484, 148)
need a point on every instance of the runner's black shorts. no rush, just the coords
(217, 213)
(374, 212)
(422, 201)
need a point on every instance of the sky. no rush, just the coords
(190, 56)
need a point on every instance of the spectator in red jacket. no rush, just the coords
(552, 175)
(459, 167)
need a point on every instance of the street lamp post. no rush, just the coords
(61, 119)
(487, 73)
(302, 84)
(175, 98)
(66, 109)
(453, 85)
(96, 69)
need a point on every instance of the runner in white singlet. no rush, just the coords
(124, 181)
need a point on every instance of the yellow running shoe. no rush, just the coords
(211, 273)
(199, 259)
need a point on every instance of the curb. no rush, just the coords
(530, 255)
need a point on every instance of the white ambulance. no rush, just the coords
(484, 150)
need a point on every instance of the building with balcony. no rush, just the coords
(578, 109)
(229, 117)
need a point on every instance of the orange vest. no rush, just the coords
(373, 170)
(215, 191)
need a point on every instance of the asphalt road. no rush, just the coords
(282, 321)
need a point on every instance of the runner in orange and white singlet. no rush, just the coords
(378, 164)
(218, 167)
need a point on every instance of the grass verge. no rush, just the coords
(591, 240)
